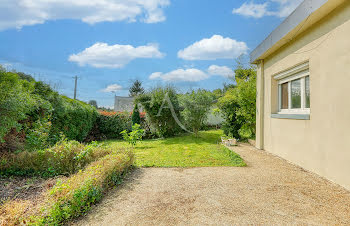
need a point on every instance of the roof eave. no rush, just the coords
(290, 25)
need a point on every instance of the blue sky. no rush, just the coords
(188, 43)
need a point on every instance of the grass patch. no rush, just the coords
(183, 151)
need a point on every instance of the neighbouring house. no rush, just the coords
(122, 104)
(303, 89)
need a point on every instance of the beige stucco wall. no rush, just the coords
(321, 144)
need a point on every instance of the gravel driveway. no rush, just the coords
(268, 191)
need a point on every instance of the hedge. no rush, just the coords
(64, 158)
(33, 116)
(73, 118)
(72, 197)
(109, 126)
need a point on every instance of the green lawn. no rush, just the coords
(183, 151)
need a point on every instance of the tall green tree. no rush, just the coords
(196, 106)
(136, 88)
(93, 103)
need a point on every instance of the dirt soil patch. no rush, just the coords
(23, 188)
(269, 191)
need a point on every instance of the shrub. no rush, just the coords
(238, 105)
(196, 106)
(35, 115)
(134, 136)
(37, 134)
(17, 103)
(75, 196)
(163, 110)
(136, 115)
(111, 126)
(71, 197)
(71, 117)
(64, 158)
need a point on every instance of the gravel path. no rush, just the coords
(268, 191)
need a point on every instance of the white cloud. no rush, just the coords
(155, 75)
(216, 47)
(112, 88)
(252, 10)
(187, 75)
(19, 13)
(221, 70)
(102, 55)
(193, 74)
(284, 8)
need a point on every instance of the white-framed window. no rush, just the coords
(294, 90)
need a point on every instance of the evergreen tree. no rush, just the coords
(136, 88)
(136, 115)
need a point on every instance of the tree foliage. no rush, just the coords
(136, 88)
(163, 110)
(196, 106)
(93, 103)
(238, 105)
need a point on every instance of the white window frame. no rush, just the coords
(298, 72)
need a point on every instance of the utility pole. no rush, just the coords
(75, 87)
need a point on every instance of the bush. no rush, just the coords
(163, 110)
(18, 104)
(238, 105)
(33, 115)
(136, 115)
(73, 118)
(72, 197)
(65, 158)
(196, 106)
(134, 136)
(110, 127)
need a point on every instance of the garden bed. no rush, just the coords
(58, 199)
(23, 188)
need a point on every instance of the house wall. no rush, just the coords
(123, 104)
(321, 144)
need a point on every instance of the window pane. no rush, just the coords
(284, 96)
(307, 92)
(296, 93)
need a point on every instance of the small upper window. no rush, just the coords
(294, 90)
